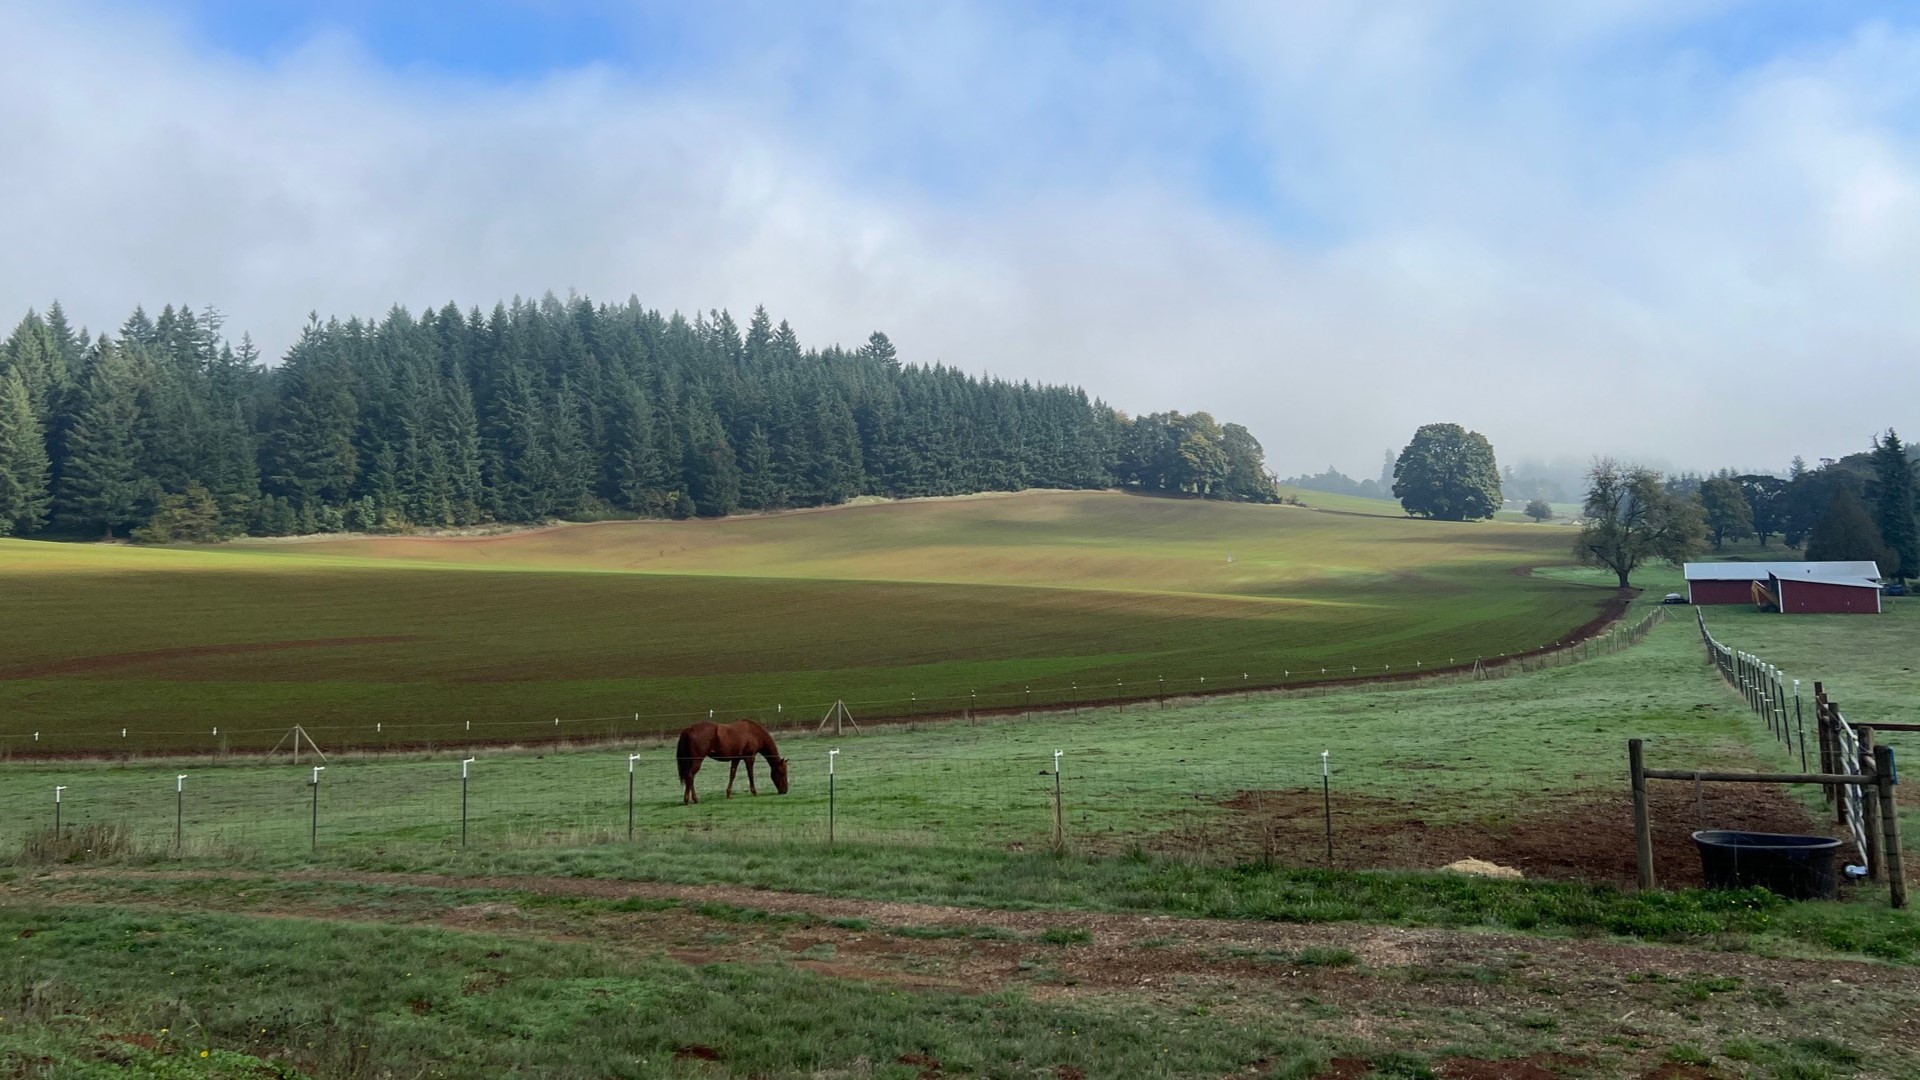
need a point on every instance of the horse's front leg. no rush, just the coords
(751, 790)
(731, 773)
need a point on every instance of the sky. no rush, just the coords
(1677, 231)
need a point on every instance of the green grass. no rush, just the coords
(343, 999)
(899, 609)
(1453, 752)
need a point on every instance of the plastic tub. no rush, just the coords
(1800, 867)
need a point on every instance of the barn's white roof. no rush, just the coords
(1854, 582)
(1836, 572)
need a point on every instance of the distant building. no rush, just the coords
(1788, 587)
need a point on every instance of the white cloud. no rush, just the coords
(1512, 232)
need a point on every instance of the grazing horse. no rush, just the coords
(735, 742)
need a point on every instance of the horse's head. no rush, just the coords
(779, 774)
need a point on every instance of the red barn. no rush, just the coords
(1829, 596)
(1792, 587)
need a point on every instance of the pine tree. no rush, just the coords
(312, 454)
(24, 497)
(101, 488)
(713, 476)
(1893, 506)
(756, 472)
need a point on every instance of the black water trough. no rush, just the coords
(1800, 867)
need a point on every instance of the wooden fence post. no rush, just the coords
(1826, 736)
(1890, 825)
(1870, 806)
(1839, 761)
(1642, 829)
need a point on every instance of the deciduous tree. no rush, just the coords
(1727, 512)
(1631, 518)
(1447, 473)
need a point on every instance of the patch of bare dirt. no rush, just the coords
(929, 1067)
(1674, 1070)
(696, 1052)
(1580, 840)
(1464, 1068)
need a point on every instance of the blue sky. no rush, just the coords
(1332, 222)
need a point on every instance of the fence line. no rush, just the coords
(1032, 799)
(1843, 749)
(1076, 694)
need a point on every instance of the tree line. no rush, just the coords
(1857, 508)
(534, 411)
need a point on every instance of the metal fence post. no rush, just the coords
(463, 800)
(313, 830)
(1326, 801)
(57, 789)
(831, 754)
(179, 809)
(1059, 815)
(1800, 721)
(631, 758)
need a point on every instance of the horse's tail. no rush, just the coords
(685, 757)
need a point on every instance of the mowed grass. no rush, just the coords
(922, 607)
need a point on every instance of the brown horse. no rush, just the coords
(735, 742)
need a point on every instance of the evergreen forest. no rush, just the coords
(552, 409)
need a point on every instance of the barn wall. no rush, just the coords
(1817, 598)
(1720, 592)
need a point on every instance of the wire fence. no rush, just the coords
(1086, 799)
(1779, 702)
(1144, 690)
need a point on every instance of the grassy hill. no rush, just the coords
(898, 608)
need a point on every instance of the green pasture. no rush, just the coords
(1869, 663)
(1463, 751)
(635, 627)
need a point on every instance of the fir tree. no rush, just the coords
(24, 497)
(1893, 506)
(101, 488)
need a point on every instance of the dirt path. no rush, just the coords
(1572, 1006)
(1380, 946)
